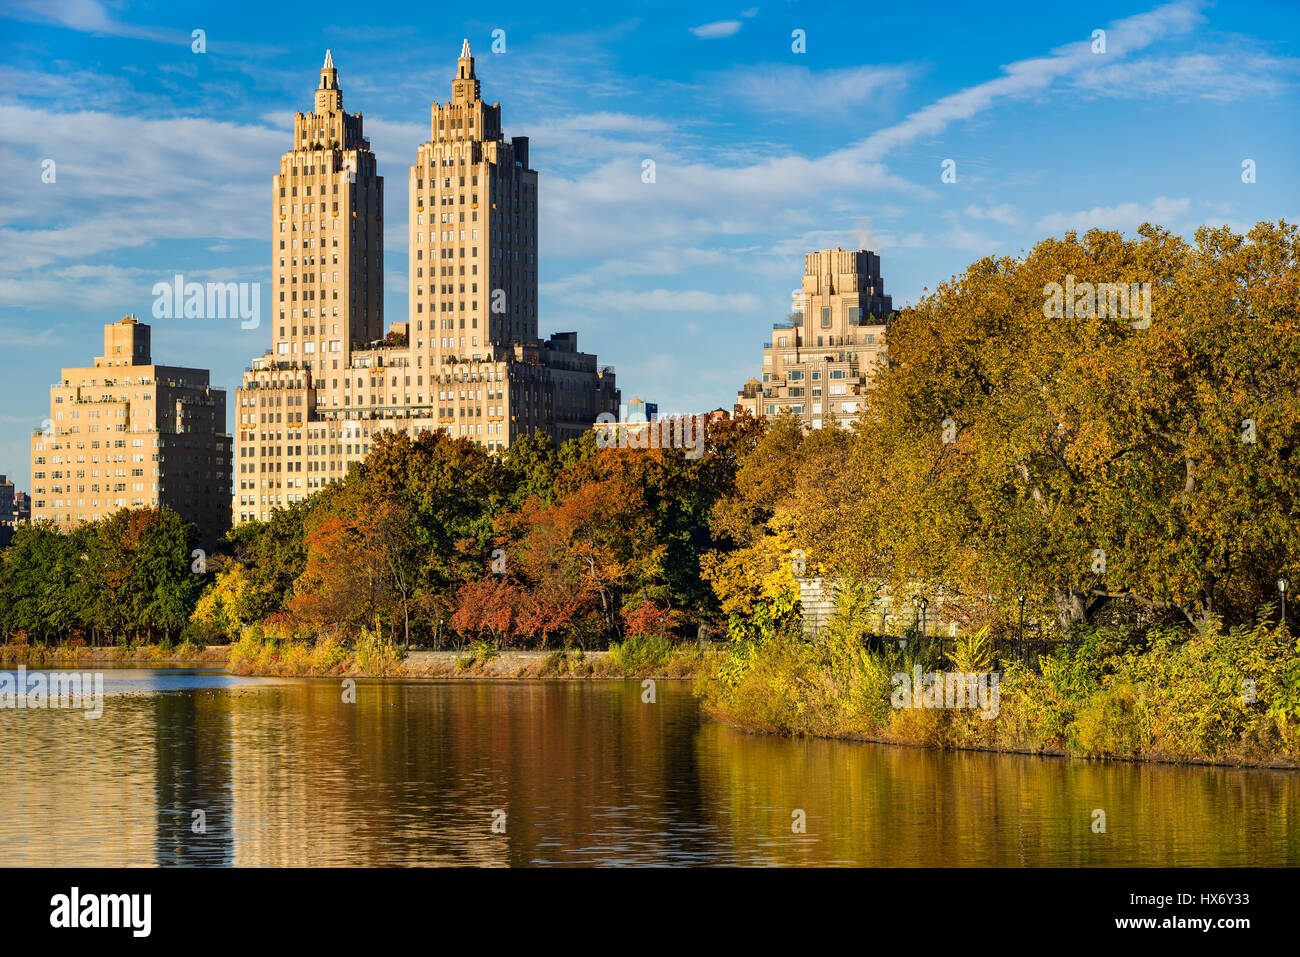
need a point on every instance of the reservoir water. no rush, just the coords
(194, 767)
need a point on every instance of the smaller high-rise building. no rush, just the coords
(22, 508)
(6, 510)
(125, 433)
(639, 410)
(822, 359)
(6, 500)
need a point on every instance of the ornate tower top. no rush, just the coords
(328, 95)
(464, 89)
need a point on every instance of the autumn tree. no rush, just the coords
(1083, 456)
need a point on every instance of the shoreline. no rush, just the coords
(528, 665)
(39, 657)
(514, 665)
(417, 665)
(1255, 764)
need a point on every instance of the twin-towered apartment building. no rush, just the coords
(467, 360)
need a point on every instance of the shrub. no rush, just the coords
(377, 654)
(639, 654)
(1175, 692)
(327, 655)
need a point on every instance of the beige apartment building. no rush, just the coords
(821, 361)
(467, 360)
(126, 433)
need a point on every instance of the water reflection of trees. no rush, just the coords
(892, 806)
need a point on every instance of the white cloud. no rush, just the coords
(607, 209)
(125, 181)
(714, 31)
(790, 88)
(1222, 77)
(662, 300)
(1003, 213)
(88, 16)
(1161, 211)
(1034, 75)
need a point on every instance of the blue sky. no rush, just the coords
(164, 156)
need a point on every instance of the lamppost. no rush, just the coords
(925, 603)
(1282, 584)
(1020, 639)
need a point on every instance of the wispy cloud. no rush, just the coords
(786, 88)
(200, 175)
(717, 30)
(1223, 77)
(1126, 216)
(86, 16)
(1035, 75)
(1002, 213)
(664, 300)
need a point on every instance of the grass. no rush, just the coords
(635, 658)
(267, 652)
(256, 654)
(42, 656)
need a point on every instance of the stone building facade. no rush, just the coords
(821, 360)
(125, 433)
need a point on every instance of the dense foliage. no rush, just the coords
(1086, 460)
(130, 575)
(433, 540)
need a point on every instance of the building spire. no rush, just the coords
(328, 95)
(465, 87)
(329, 77)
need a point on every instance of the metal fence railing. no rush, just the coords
(1027, 649)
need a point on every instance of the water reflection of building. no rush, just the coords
(192, 748)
